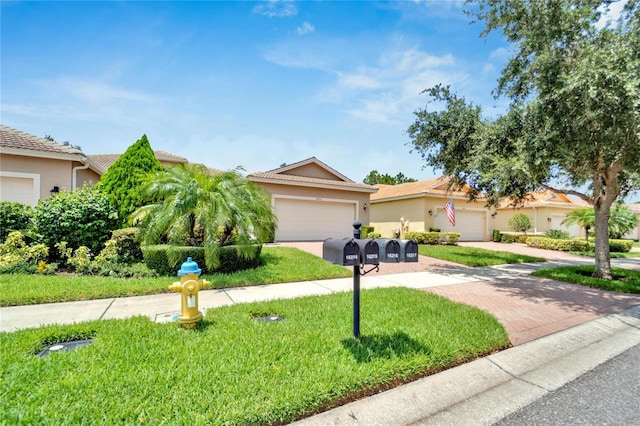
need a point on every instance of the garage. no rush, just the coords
(20, 187)
(470, 224)
(312, 220)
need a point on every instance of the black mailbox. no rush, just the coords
(341, 251)
(389, 250)
(369, 251)
(408, 251)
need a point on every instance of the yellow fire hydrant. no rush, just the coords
(189, 286)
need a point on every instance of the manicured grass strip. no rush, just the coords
(624, 280)
(612, 255)
(280, 264)
(472, 256)
(233, 369)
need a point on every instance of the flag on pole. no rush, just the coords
(451, 212)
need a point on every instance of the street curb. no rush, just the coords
(486, 390)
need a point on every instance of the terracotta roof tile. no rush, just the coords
(12, 138)
(292, 179)
(436, 186)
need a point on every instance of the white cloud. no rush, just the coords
(501, 53)
(276, 8)
(305, 28)
(611, 13)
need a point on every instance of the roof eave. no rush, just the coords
(43, 154)
(311, 184)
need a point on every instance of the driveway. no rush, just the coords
(528, 307)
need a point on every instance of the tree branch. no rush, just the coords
(569, 192)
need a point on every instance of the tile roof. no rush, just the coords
(106, 160)
(310, 160)
(436, 186)
(546, 197)
(12, 138)
(309, 181)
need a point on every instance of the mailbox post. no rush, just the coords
(357, 253)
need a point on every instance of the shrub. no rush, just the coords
(562, 245)
(520, 222)
(374, 235)
(156, 257)
(433, 238)
(509, 238)
(434, 229)
(620, 246)
(126, 246)
(495, 237)
(365, 231)
(557, 234)
(16, 256)
(14, 217)
(81, 218)
(523, 239)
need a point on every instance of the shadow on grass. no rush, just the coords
(385, 346)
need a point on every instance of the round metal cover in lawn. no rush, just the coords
(269, 318)
(65, 346)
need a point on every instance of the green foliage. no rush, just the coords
(123, 181)
(365, 230)
(433, 238)
(124, 246)
(561, 245)
(83, 217)
(558, 128)
(557, 234)
(198, 208)
(231, 258)
(247, 372)
(620, 246)
(374, 235)
(14, 217)
(495, 236)
(16, 256)
(508, 238)
(520, 222)
(374, 177)
(621, 219)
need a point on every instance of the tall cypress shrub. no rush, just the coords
(122, 182)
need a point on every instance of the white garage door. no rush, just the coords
(308, 220)
(18, 189)
(469, 224)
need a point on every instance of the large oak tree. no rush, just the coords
(574, 117)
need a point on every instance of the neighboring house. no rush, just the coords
(546, 209)
(33, 168)
(421, 206)
(313, 202)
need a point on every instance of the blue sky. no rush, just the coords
(252, 84)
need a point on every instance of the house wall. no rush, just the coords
(52, 172)
(543, 218)
(385, 216)
(323, 194)
(86, 176)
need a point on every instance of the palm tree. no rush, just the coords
(584, 216)
(621, 221)
(197, 207)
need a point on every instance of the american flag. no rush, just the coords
(451, 212)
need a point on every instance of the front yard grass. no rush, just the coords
(472, 256)
(234, 369)
(624, 280)
(280, 265)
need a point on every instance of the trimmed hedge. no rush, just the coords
(561, 245)
(615, 246)
(433, 238)
(156, 258)
(365, 231)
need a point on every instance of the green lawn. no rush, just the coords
(281, 264)
(472, 256)
(624, 280)
(233, 369)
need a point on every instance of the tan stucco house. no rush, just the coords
(313, 202)
(420, 206)
(32, 168)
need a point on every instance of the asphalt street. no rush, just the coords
(607, 395)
